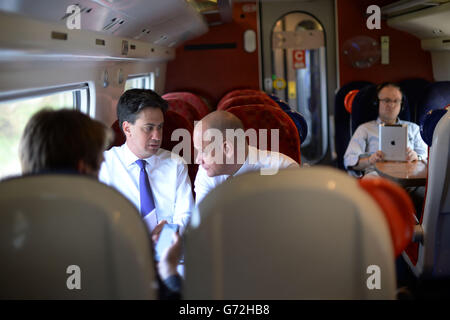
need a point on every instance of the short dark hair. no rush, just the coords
(389, 84)
(59, 139)
(133, 101)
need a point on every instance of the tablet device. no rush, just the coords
(393, 141)
(165, 239)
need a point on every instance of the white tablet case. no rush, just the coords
(393, 141)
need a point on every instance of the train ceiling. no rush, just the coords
(402, 7)
(215, 12)
(161, 22)
(424, 19)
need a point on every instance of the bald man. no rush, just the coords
(223, 152)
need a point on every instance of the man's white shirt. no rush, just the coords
(267, 161)
(169, 181)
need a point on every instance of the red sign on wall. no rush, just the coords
(299, 59)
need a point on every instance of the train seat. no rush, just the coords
(184, 108)
(195, 100)
(342, 119)
(297, 117)
(300, 123)
(72, 237)
(246, 100)
(172, 122)
(435, 96)
(397, 207)
(283, 104)
(240, 92)
(428, 257)
(243, 244)
(119, 136)
(414, 89)
(267, 117)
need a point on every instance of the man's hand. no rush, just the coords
(157, 230)
(411, 155)
(375, 157)
(366, 162)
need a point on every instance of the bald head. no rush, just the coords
(220, 120)
(217, 151)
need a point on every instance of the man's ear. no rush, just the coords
(228, 149)
(126, 128)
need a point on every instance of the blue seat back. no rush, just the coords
(413, 89)
(297, 117)
(435, 96)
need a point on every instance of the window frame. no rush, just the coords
(79, 98)
(148, 80)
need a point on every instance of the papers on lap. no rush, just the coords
(151, 220)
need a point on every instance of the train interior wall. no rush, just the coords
(406, 57)
(205, 67)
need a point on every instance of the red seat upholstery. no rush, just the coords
(348, 101)
(247, 100)
(173, 121)
(191, 98)
(119, 136)
(184, 108)
(397, 208)
(267, 117)
(241, 92)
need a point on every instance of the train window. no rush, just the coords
(17, 109)
(299, 58)
(140, 82)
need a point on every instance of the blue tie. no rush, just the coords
(147, 203)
